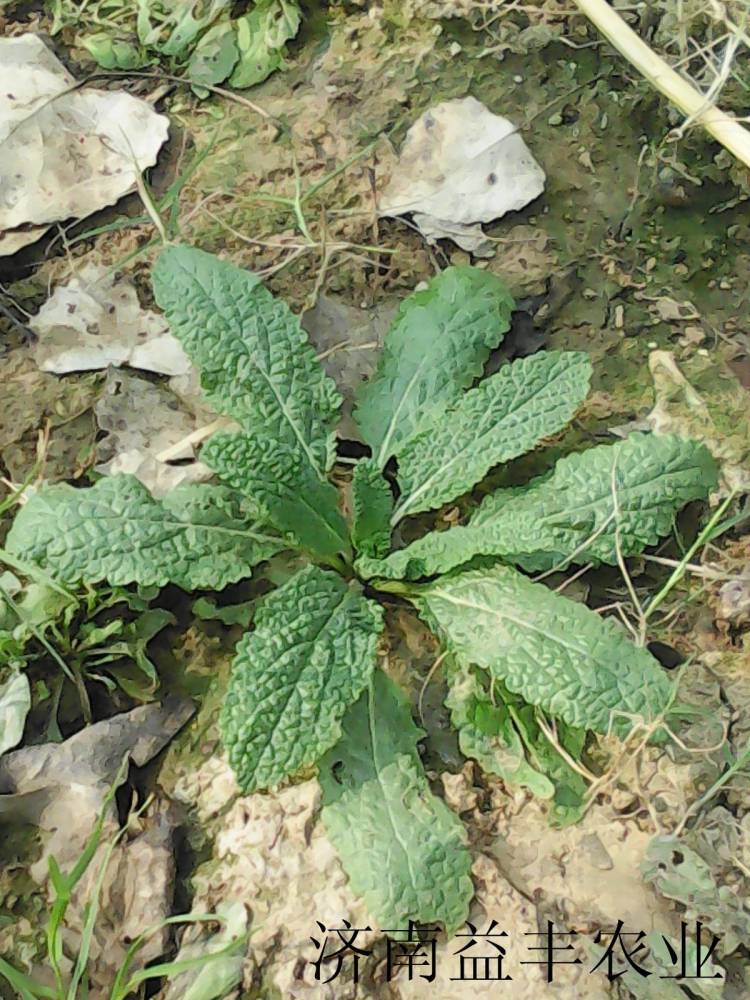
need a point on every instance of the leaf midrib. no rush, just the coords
(239, 325)
(310, 642)
(404, 508)
(383, 453)
(180, 526)
(383, 790)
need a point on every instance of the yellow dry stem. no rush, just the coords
(723, 127)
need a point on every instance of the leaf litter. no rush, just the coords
(461, 165)
(144, 421)
(87, 763)
(95, 320)
(66, 150)
(62, 788)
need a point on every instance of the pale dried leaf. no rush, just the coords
(96, 320)
(461, 164)
(64, 151)
(143, 420)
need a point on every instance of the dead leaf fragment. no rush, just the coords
(669, 310)
(28, 396)
(96, 320)
(734, 600)
(136, 895)
(77, 774)
(680, 409)
(143, 420)
(684, 875)
(64, 151)
(33, 400)
(271, 855)
(524, 259)
(348, 341)
(461, 165)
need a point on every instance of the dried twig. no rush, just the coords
(723, 127)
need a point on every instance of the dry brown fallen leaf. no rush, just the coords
(142, 420)
(135, 895)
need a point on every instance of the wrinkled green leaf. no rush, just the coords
(631, 489)
(505, 416)
(201, 38)
(500, 731)
(569, 515)
(257, 365)
(36, 605)
(113, 53)
(184, 27)
(664, 983)
(197, 536)
(281, 482)
(372, 503)
(262, 34)
(437, 346)
(15, 705)
(487, 734)
(214, 57)
(571, 790)
(121, 648)
(256, 362)
(555, 653)
(403, 849)
(310, 655)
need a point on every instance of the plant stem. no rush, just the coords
(730, 772)
(680, 568)
(723, 127)
(392, 587)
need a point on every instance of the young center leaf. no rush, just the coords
(292, 497)
(438, 344)
(505, 416)
(258, 366)
(197, 536)
(629, 491)
(294, 676)
(555, 653)
(372, 506)
(402, 848)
